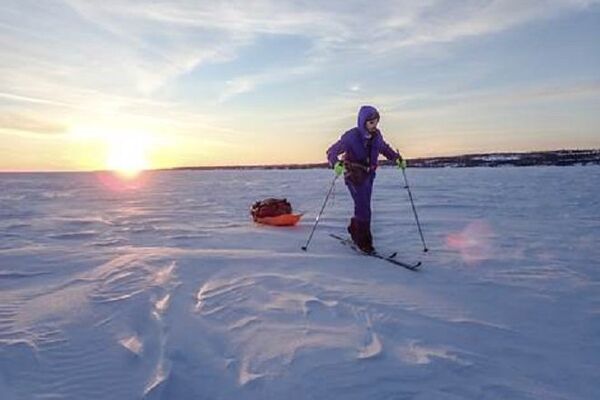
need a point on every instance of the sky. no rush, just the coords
(88, 85)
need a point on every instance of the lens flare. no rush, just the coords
(474, 243)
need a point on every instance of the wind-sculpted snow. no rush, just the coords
(164, 289)
(273, 328)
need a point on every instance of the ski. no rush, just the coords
(391, 258)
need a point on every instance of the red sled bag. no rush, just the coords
(274, 211)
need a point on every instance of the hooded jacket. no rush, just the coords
(353, 143)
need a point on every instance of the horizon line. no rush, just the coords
(307, 165)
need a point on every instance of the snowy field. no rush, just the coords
(167, 290)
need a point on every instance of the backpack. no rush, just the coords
(270, 208)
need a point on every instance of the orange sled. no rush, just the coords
(280, 220)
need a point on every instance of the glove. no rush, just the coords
(401, 163)
(338, 168)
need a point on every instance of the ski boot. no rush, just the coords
(360, 232)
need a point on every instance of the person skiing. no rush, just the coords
(361, 147)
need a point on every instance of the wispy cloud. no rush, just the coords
(149, 45)
(447, 21)
(515, 97)
(26, 99)
(28, 124)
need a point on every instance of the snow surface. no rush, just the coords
(165, 289)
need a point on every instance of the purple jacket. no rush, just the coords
(354, 143)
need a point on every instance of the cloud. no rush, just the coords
(26, 99)
(27, 124)
(444, 103)
(235, 87)
(66, 51)
(155, 43)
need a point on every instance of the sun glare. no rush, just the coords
(127, 156)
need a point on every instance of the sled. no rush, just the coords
(280, 220)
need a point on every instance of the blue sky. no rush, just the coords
(89, 85)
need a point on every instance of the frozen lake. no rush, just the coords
(163, 288)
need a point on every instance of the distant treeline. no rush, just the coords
(555, 157)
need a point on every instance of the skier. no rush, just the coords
(361, 147)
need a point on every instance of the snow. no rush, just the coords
(163, 288)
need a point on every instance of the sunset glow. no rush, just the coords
(126, 158)
(127, 154)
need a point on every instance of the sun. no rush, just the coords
(126, 155)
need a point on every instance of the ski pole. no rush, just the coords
(319, 215)
(425, 249)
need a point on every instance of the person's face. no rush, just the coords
(371, 125)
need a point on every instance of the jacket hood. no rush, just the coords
(364, 114)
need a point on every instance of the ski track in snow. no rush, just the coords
(169, 291)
